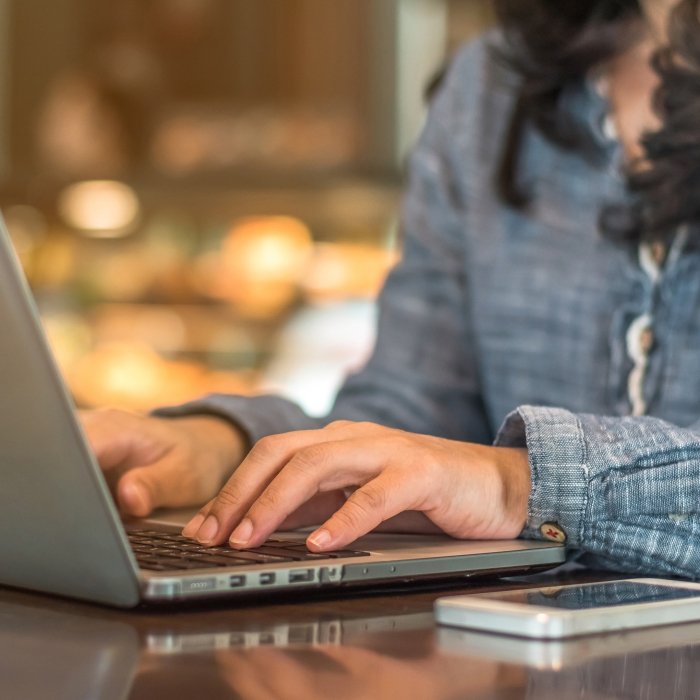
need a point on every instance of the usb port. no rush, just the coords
(236, 581)
(266, 579)
(301, 576)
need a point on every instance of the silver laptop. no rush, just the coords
(50, 653)
(63, 653)
(62, 534)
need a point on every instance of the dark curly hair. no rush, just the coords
(554, 42)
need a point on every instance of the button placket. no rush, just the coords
(654, 258)
(658, 252)
(640, 335)
(639, 341)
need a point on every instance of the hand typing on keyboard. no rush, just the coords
(173, 463)
(350, 478)
(466, 490)
(154, 463)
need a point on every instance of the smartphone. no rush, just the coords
(558, 612)
(568, 652)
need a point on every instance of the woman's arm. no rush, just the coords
(625, 490)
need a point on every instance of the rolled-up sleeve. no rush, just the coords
(625, 491)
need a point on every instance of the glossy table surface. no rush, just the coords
(383, 645)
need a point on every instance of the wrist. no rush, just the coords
(513, 467)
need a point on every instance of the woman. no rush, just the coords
(549, 286)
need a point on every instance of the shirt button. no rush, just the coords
(646, 340)
(658, 252)
(552, 532)
(609, 128)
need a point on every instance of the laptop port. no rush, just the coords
(301, 576)
(266, 579)
(236, 581)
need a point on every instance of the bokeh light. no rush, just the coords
(100, 208)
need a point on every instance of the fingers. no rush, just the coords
(109, 445)
(284, 472)
(314, 511)
(410, 521)
(118, 438)
(143, 489)
(366, 509)
(191, 529)
(151, 462)
(133, 497)
(118, 441)
(319, 468)
(216, 520)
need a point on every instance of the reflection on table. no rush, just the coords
(380, 646)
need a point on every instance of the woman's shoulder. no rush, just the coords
(478, 88)
(480, 68)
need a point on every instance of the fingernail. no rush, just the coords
(208, 530)
(133, 499)
(190, 530)
(242, 534)
(320, 539)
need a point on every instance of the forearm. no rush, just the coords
(623, 489)
(254, 417)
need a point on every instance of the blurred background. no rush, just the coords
(203, 193)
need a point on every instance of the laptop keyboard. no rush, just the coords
(163, 551)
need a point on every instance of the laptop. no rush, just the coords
(62, 533)
(49, 653)
(66, 653)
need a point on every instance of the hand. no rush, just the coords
(155, 462)
(409, 666)
(468, 491)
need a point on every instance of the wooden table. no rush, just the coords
(372, 646)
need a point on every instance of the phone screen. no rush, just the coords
(596, 595)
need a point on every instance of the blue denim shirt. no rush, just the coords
(531, 329)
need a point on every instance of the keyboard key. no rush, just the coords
(225, 561)
(170, 551)
(163, 552)
(154, 567)
(257, 558)
(278, 552)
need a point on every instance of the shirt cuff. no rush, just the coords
(558, 463)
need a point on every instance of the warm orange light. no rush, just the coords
(347, 271)
(260, 266)
(274, 248)
(131, 375)
(100, 208)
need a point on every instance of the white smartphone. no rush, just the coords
(567, 652)
(569, 611)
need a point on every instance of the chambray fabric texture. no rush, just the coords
(510, 326)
